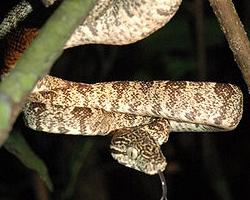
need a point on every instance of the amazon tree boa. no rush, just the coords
(139, 115)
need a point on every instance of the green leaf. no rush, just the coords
(17, 145)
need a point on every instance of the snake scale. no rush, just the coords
(138, 114)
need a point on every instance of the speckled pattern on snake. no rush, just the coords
(138, 114)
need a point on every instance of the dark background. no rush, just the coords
(203, 166)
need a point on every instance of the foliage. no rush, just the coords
(17, 145)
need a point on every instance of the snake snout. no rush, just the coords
(136, 149)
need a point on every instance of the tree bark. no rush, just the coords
(235, 34)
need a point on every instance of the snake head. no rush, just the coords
(135, 148)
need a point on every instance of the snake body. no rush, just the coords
(120, 22)
(139, 114)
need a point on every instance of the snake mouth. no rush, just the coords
(116, 152)
(149, 168)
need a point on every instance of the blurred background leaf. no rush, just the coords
(17, 145)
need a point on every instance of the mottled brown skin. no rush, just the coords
(139, 115)
(15, 44)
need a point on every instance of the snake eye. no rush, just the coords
(132, 153)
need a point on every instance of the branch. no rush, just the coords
(37, 60)
(235, 34)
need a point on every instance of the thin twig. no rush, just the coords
(163, 185)
(235, 34)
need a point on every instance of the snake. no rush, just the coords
(138, 115)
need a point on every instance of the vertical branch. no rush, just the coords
(235, 34)
(37, 60)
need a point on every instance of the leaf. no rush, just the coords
(17, 145)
